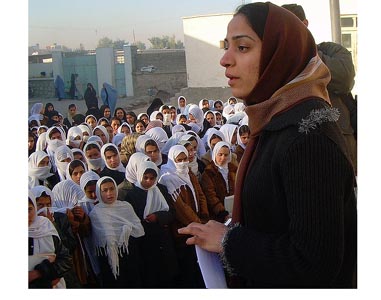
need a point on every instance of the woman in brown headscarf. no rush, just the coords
(294, 212)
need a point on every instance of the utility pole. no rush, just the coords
(334, 7)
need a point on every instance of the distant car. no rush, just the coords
(149, 68)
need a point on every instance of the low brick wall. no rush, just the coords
(42, 87)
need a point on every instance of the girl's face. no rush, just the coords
(93, 153)
(214, 141)
(218, 106)
(148, 180)
(182, 157)
(218, 118)
(173, 114)
(144, 119)
(234, 138)
(210, 118)
(245, 138)
(222, 156)
(44, 201)
(78, 155)
(110, 132)
(112, 159)
(152, 152)
(130, 119)
(107, 113)
(182, 120)
(77, 173)
(119, 114)
(91, 122)
(115, 125)
(191, 152)
(30, 143)
(44, 162)
(108, 192)
(182, 102)
(139, 127)
(90, 191)
(101, 134)
(125, 130)
(159, 117)
(242, 56)
(31, 213)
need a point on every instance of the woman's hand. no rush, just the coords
(151, 218)
(208, 236)
(78, 212)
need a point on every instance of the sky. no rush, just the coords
(72, 22)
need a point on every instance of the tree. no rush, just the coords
(118, 44)
(140, 45)
(166, 42)
(105, 42)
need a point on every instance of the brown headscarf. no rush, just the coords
(290, 72)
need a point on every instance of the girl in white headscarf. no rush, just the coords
(38, 169)
(74, 137)
(55, 137)
(66, 197)
(113, 165)
(131, 173)
(95, 138)
(124, 128)
(242, 140)
(153, 206)
(62, 157)
(75, 169)
(218, 181)
(190, 205)
(149, 147)
(48, 259)
(115, 227)
(195, 164)
(181, 104)
(230, 133)
(91, 120)
(158, 135)
(101, 132)
(86, 132)
(93, 157)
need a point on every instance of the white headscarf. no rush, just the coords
(77, 150)
(124, 124)
(85, 128)
(62, 152)
(94, 163)
(68, 167)
(119, 168)
(197, 113)
(91, 116)
(173, 140)
(37, 192)
(182, 109)
(200, 145)
(104, 130)
(72, 133)
(154, 114)
(54, 144)
(66, 194)
(212, 131)
(228, 111)
(36, 173)
(118, 138)
(175, 175)
(158, 135)
(140, 146)
(87, 203)
(228, 132)
(224, 170)
(239, 141)
(178, 128)
(112, 225)
(42, 231)
(132, 165)
(155, 200)
(95, 138)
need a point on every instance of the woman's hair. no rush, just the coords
(43, 194)
(209, 113)
(150, 171)
(54, 130)
(72, 105)
(131, 113)
(93, 146)
(215, 136)
(111, 148)
(150, 142)
(75, 163)
(192, 138)
(120, 108)
(127, 148)
(256, 15)
(141, 122)
(116, 119)
(244, 129)
(106, 181)
(90, 183)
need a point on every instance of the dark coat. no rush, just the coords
(116, 175)
(156, 247)
(214, 187)
(299, 207)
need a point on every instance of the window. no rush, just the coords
(346, 40)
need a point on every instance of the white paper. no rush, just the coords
(228, 203)
(211, 269)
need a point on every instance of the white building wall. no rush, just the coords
(128, 67)
(105, 67)
(57, 65)
(202, 36)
